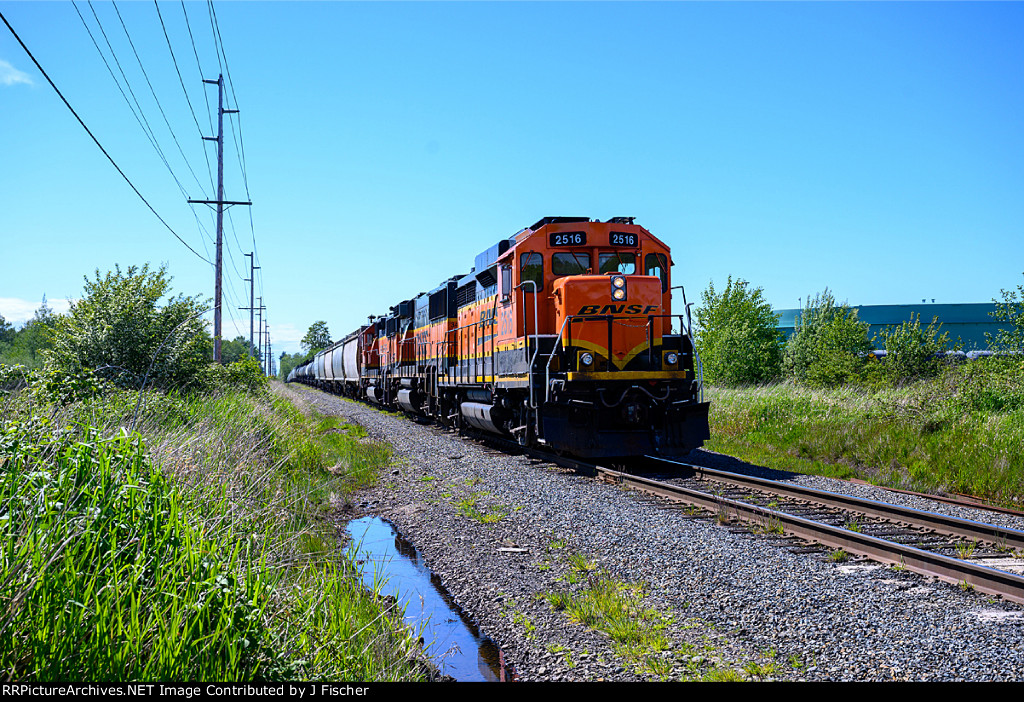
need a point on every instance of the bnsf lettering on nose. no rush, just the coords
(617, 309)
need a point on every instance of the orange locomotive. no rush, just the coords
(561, 336)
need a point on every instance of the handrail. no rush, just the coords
(551, 356)
(698, 366)
(536, 336)
(478, 323)
(494, 324)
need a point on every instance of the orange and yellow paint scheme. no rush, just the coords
(561, 335)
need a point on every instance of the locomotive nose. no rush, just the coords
(609, 318)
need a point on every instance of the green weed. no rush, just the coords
(581, 564)
(469, 507)
(965, 550)
(614, 608)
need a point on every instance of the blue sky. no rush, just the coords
(873, 148)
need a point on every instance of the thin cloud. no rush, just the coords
(9, 75)
(283, 337)
(16, 311)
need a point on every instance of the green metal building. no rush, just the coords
(966, 322)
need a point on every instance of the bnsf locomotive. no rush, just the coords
(560, 336)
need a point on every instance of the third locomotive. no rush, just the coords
(560, 336)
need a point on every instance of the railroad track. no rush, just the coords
(985, 557)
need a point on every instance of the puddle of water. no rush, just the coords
(454, 643)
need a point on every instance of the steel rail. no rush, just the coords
(1002, 537)
(951, 570)
(958, 572)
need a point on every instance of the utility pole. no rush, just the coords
(220, 202)
(267, 348)
(260, 309)
(252, 301)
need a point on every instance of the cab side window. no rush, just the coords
(531, 267)
(506, 283)
(657, 264)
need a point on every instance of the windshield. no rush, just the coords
(575, 263)
(617, 263)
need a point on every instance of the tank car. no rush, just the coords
(560, 336)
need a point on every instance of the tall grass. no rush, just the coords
(960, 432)
(105, 578)
(196, 548)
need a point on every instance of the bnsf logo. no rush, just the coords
(617, 309)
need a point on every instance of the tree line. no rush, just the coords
(739, 341)
(128, 330)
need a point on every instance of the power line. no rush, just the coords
(209, 168)
(221, 55)
(217, 46)
(155, 98)
(96, 141)
(240, 143)
(220, 202)
(139, 115)
(198, 64)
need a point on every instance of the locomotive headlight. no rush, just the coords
(587, 359)
(618, 287)
(671, 358)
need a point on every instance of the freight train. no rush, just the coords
(561, 336)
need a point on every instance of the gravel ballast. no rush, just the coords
(733, 604)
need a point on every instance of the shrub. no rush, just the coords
(14, 378)
(236, 349)
(119, 331)
(913, 351)
(27, 346)
(67, 387)
(986, 385)
(829, 344)
(1009, 312)
(245, 373)
(738, 338)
